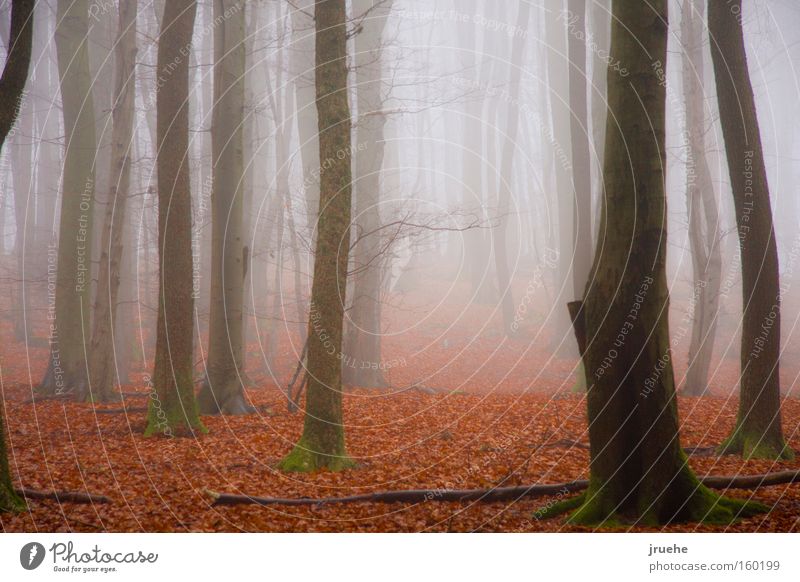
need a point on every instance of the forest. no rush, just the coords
(399, 266)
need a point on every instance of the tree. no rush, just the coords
(500, 232)
(558, 90)
(361, 366)
(172, 405)
(639, 473)
(223, 390)
(12, 87)
(103, 361)
(322, 444)
(579, 140)
(704, 234)
(758, 432)
(69, 323)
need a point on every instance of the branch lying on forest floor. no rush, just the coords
(694, 451)
(491, 495)
(64, 496)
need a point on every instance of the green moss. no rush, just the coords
(704, 506)
(304, 459)
(550, 511)
(755, 446)
(172, 421)
(10, 502)
(579, 387)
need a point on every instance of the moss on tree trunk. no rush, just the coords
(322, 444)
(639, 474)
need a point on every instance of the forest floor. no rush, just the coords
(408, 440)
(493, 412)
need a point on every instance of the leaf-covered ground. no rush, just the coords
(401, 441)
(501, 413)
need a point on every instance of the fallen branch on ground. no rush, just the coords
(131, 410)
(64, 496)
(491, 495)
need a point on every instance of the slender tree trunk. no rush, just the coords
(301, 65)
(103, 359)
(758, 432)
(24, 212)
(12, 87)
(173, 406)
(322, 444)
(223, 390)
(558, 83)
(704, 235)
(639, 473)
(361, 363)
(69, 323)
(580, 139)
(500, 231)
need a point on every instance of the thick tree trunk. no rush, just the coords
(12, 87)
(361, 363)
(223, 390)
(758, 431)
(704, 234)
(638, 472)
(322, 444)
(103, 360)
(173, 406)
(69, 323)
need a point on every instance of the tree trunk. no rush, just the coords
(638, 471)
(322, 444)
(361, 363)
(69, 323)
(12, 87)
(758, 432)
(173, 406)
(500, 231)
(579, 140)
(301, 64)
(558, 84)
(223, 390)
(704, 235)
(102, 356)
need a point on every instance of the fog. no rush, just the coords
(470, 150)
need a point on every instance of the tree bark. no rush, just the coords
(494, 495)
(69, 323)
(103, 361)
(223, 390)
(638, 471)
(758, 432)
(322, 444)
(12, 88)
(173, 406)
